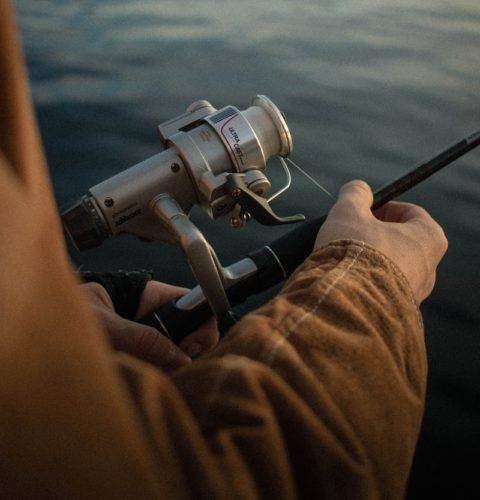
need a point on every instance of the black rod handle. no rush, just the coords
(176, 323)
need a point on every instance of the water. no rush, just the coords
(369, 89)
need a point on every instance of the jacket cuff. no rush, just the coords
(379, 268)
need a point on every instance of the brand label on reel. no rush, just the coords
(233, 130)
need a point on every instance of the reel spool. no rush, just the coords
(212, 158)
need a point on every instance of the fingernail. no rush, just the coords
(193, 350)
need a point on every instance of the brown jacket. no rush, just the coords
(319, 393)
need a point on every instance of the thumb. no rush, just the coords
(356, 194)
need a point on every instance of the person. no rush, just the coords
(318, 393)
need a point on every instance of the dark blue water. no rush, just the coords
(369, 89)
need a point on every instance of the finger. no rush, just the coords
(157, 294)
(396, 211)
(202, 340)
(431, 235)
(355, 195)
(97, 294)
(144, 342)
(414, 216)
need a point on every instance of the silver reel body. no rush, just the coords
(212, 158)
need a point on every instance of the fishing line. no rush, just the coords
(310, 178)
(288, 182)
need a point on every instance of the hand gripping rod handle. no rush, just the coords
(277, 261)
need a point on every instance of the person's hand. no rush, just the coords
(404, 232)
(146, 342)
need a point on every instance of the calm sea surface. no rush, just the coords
(369, 89)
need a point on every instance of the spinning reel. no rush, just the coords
(212, 158)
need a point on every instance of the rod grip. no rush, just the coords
(176, 323)
(275, 263)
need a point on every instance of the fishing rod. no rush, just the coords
(216, 159)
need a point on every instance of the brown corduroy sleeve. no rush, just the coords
(320, 392)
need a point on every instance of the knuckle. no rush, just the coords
(420, 212)
(436, 233)
(357, 183)
(98, 291)
(428, 225)
(361, 185)
(445, 242)
(357, 186)
(442, 239)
